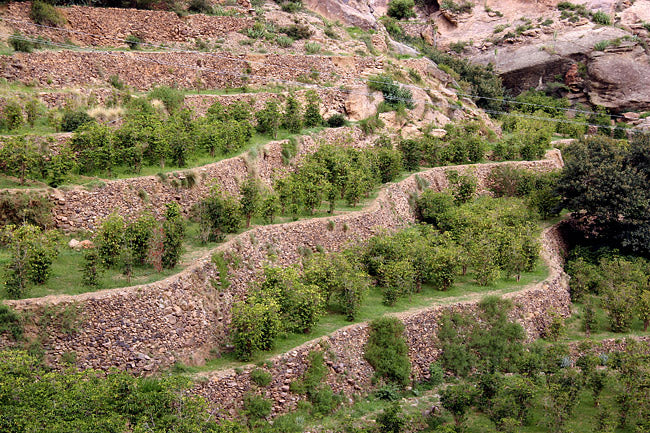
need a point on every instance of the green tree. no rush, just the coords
(110, 239)
(251, 197)
(218, 213)
(32, 252)
(268, 119)
(312, 110)
(174, 234)
(270, 207)
(256, 323)
(397, 278)
(401, 9)
(457, 399)
(19, 157)
(644, 308)
(12, 116)
(292, 119)
(90, 272)
(391, 419)
(386, 350)
(138, 236)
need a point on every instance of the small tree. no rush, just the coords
(644, 308)
(12, 116)
(19, 157)
(312, 110)
(457, 399)
(268, 119)
(91, 269)
(110, 238)
(270, 207)
(138, 236)
(401, 9)
(292, 120)
(32, 253)
(251, 196)
(256, 323)
(174, 233)
(391, 419)
(386, 350)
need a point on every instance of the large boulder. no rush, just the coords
(620, 81)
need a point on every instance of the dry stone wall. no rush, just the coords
(143, 70)
(91, 26)
(148, 327)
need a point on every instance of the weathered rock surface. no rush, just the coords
(620, 80)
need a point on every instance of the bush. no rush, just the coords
(432, 206)
(174, 233)
(12, 116)
(436, 374)
(255, 323)
(10, 322)
(19, 42)
(25, 208)
(386, 350)
(401, 9)
(600, 17)
(133, 42)
(257, 407)
(297, 31)
(464, 7)
(283, 41)
(394, 94)
(172, 98)
(336, 120)
(312, 48)
(218, 214)
(90, 271)
(110, 239)
(44, 13)
(391, 420)
(261, 377)
(73, 120)
(292, 6)
(200, 6)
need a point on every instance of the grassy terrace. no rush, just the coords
(464, 289)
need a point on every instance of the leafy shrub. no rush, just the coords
(174, 233)
(386, 350)
(257, 407)
(297, 31)
(436, 374)
(464, 7)
(256, 323)
(171, 97)
(218, 214)
(19, 42)
(283, 41)
(394, 94)
(133, 42)
(600, 17)
(73, 120)
(200, 6)
(44, 13)
(91, 270)
(261, 377)
(391, 420)
(10, 322)
(312, 48)
(336, 120)
(401, 9)
(291, 6)
(12, 116)
(25, 208)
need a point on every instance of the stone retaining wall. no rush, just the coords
(190, 70)
(148, 327)
(88, 23)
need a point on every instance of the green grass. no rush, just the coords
(373, 307)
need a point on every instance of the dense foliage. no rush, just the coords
(604, 185)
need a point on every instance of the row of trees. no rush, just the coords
(153, 136)
(116, 245)
(621, 284)
(488, 237)
(141, 242)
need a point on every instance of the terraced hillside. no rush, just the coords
(188, 189)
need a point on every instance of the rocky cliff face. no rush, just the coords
(533, 44)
